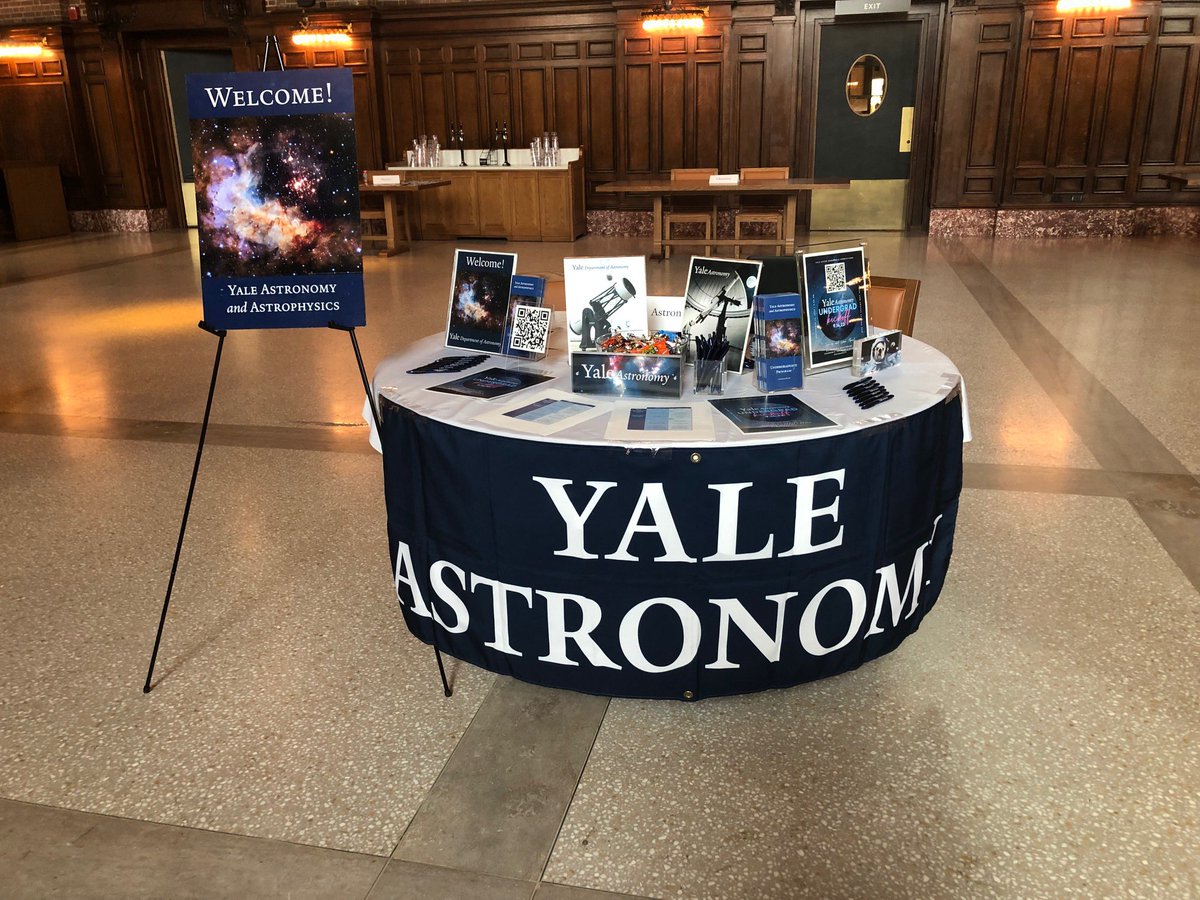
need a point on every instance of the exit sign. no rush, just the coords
(870, 7)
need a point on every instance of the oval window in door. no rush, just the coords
(866, 84)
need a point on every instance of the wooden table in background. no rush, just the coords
(397, 206)
(788, 188)
(1182, 179)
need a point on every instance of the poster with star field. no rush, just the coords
(277, 198)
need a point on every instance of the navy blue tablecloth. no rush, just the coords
(686, 572)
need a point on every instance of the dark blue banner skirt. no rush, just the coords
(676, 573)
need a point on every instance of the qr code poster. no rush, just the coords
(835, 306)
(530, 328)
(835, 276)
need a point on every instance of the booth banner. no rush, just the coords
(672, 573)
(277, 198)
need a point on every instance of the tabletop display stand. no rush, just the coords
(187, 506)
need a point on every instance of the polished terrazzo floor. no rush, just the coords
(1039, 737)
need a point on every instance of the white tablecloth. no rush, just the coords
(926, 376)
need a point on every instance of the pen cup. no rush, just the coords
(710, 376)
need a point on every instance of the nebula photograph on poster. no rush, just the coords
(276, 195)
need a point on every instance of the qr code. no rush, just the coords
(530, 326)
(835, 277)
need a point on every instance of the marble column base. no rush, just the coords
(106, 220)
(1141, 221)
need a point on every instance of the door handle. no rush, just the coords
(906, 128)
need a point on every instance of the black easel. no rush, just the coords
(268, 42)
(187, 507)
(437, 651)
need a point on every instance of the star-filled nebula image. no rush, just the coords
(480, 302)
(277, 195)
(783, 338)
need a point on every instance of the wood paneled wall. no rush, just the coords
(359, 58)
(639, 104)
(1047, 109)
(1032, 109)
(37, 111)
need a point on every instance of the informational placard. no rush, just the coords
(479, 296)
(277, 198)
(604, 295)
(664, 314)
(835, 306)
(719, 301)
(870, 7)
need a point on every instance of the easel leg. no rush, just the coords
(362, 371)
(187, 506)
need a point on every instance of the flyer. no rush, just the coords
(544, 413)
(491, 383)
(835, 306)
(645, 422)
(778, 412)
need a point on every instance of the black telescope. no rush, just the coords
(595, 325)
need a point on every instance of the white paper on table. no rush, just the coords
(680, 421)
(544, 412)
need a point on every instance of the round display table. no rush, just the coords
(670, 568)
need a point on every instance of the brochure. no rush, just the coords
(719, 301)
(604, 295)
(479, 298)
(530, 329)
(778, 412)
(779, 327)
(489, 383)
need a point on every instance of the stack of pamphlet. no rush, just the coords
(778, 342)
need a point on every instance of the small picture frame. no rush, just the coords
(834, 283)
(879, 351)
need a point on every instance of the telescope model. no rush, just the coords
(724, 301)
(595, 324)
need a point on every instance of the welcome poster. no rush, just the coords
(277, 198)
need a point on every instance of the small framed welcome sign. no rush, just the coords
(835, 306)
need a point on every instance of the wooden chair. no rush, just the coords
(757, 216)
(707, 218)
(556, 293)
(892, 302)
(371, 210)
